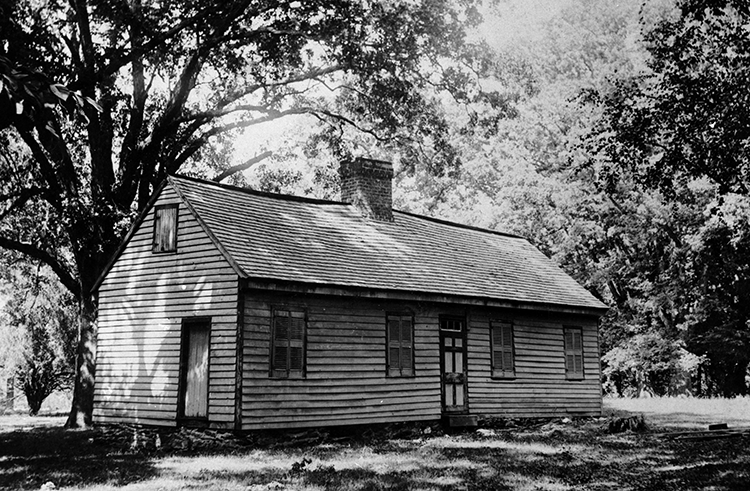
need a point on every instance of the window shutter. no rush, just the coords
(405, 330)
(503, 364)
(394, 329)
(400, 345)
(279, 357)
(281, 333)
(296, 343)
(508, 348)
(288, 344)
(573, 352)
(165, 228)
(407, 348)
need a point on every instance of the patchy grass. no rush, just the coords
(683, 412)
(555, 456)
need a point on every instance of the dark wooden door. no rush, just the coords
(453, 364)
(195, 370)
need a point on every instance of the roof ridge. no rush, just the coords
(255, 192)
(303, 199)
(461, 225)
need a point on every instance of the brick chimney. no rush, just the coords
(366, 183)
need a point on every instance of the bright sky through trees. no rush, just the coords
(506, 24)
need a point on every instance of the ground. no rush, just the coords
(35, 453)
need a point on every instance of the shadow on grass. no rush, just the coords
(560, 457)
(31, 457)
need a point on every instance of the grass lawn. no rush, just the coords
(555, 456)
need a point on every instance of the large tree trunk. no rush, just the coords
(81, 411)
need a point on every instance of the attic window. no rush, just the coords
(165, 228)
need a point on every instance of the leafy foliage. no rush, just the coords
(46, 316)
(650, 364)
(685, 118)
(678, 133)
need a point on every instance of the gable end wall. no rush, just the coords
(142, 303)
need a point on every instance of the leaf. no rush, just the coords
(19, 107)
(49, 128)
(94, 104)
(60, 91)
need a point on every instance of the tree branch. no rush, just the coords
(240, 167)
(128, 164)
(167, 121)
(48, 171)
(138, 51)
(65, 276)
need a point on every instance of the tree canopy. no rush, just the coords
(678, 131)
(102, 99)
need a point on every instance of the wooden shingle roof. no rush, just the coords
(275, 237)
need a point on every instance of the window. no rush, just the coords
(165, 228)
(287, 344)
(503, 361)
(400, 342)
(573, 352)
(451, 324)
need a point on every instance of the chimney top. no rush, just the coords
(366, 183)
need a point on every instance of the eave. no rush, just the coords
(282, 286)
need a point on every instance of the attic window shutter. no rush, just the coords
(288, 344)
(573, 352)
(503, 359)
(400, 342)
(165, 228)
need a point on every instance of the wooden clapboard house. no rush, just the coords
(237, 309)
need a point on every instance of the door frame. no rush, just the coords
(443, 333)
(187, 323)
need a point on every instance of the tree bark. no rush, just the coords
(82, 408)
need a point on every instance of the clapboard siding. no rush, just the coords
(540, 387)
(142, 303)
(346, 380)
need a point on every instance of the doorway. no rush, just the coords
(453, 364)
(196, 336)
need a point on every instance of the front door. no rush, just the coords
(453, 364)
(196, 336)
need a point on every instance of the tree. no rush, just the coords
(103, 99)
(40, 315)
(687, 116)
(679, 131)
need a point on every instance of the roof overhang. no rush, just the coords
(283, 286)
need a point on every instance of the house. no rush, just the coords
(237, 309)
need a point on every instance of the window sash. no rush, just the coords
(165, 228)
(573, 337)
(400, 352)
(503, 357)
(287, 357)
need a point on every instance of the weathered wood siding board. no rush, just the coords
(346, 383)
(346, 380)
(540, 387)
(142, 303)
